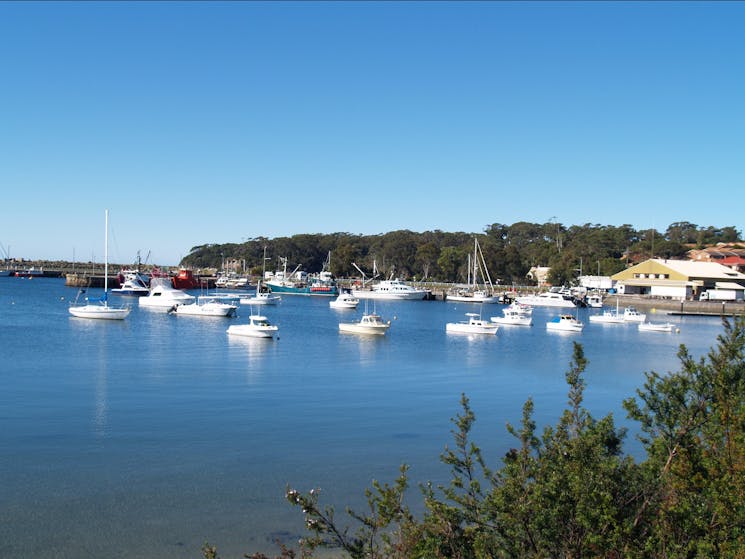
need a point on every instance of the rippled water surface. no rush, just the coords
(150, 436)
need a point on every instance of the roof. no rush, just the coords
(730, 260)
(729, 285)
(709, 270)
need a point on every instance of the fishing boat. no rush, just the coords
(475, 291)
(99, 308)
(300, 283)
(630, 314)
(474, 325)
(657, 327)
(258, 327)
(185, 279)
(29, 273)
(564, 323)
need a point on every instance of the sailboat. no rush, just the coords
(474, 293)
(99, 308)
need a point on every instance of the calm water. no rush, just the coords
(147, 437)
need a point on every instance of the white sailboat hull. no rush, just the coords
(100, 311)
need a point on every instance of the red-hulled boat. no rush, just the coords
(185, 279)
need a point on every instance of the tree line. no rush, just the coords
(570, 491)
(509, 250)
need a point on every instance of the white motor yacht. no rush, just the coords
(164, 295)
(546, 299)
(392, 289)
(345, 300)
(133, 284)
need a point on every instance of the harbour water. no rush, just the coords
(147, 437)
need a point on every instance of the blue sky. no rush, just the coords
(216, 122)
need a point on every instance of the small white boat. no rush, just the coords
(345, 300)
(258, 327)
(474, 325)
(608, 317)
(513, 316)
(565, 323)
(657, 327)
(205, 306)
(594, 301)
(99, 308)
(630, 314)
(368, 324)
(164, 295)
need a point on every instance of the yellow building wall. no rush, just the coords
(649, 267)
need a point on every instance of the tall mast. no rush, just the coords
(106, 257)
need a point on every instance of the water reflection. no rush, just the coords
(255, 352)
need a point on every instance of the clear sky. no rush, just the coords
(210, 122)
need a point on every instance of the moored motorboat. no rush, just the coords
(368, 324)
(258, 327)
(657, 327)
(512, 316)
(261, 297)
(208, 306)
(564, 323)
(474, 325)
(345, 300)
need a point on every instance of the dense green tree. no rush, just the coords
(509, 250)
(694, 434)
